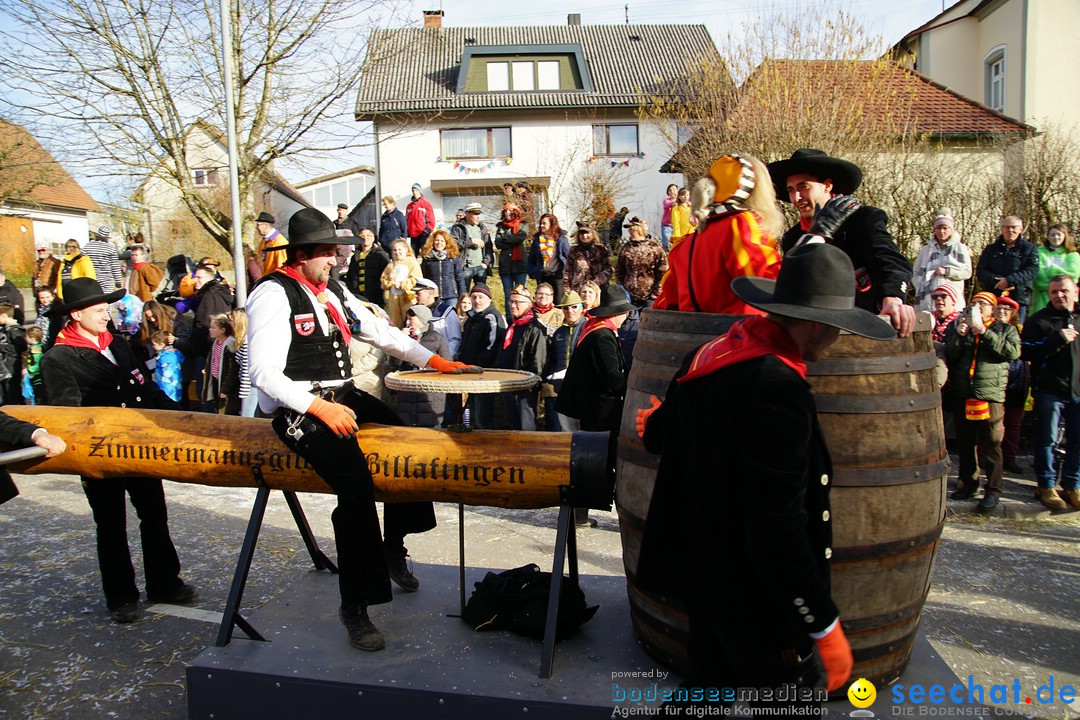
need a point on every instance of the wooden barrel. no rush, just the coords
(879, 408)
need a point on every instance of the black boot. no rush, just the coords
(363, 635)
(399, 569)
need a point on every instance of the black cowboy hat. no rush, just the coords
(265, 217)
(82, 293)
(846, 176)
(308, 228)
(614, 301)
(816, 283)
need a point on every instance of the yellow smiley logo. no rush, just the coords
(862, 693)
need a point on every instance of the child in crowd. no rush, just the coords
(168, 361)
(235, 380)
(12, 345)
(222, 352)
(398, 280)
(682, 220)
(45, 297)
(31, 361)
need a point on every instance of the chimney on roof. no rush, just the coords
(573, 19)
(433, 18)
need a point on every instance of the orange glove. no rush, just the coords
(340, 419)
(643, 415)
(452, 367)
(836, 657)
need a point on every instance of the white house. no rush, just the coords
(168, 225)
(1012, 55)
(463, 110)
(354, 187)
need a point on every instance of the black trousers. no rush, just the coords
(161, 565)
(363, 578)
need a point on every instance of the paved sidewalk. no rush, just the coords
(1004, 604)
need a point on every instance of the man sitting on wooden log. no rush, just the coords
(738, 524)
(300, 323)
(89, 367)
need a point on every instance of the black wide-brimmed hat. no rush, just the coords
(816, 283)
(82, 293)
(309, 227)
(613, 301)
(846, 176)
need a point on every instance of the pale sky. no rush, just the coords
(889, 19)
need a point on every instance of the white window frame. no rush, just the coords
(996, 58)
(606, 151)
(490, 143)
(204, 177)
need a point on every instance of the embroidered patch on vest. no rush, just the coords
(304, 323)
(862, 280)
(138, 376)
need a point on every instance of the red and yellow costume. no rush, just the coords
(702, 266)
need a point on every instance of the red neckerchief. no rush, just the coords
(596, 323)
(73, 338)
(139, 265)
(319, 291)
(746, 340)
(523, 320)
(543, 310)
(940, 326)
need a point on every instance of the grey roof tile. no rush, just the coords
(415, 70)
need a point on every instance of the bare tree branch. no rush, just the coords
(121, 83)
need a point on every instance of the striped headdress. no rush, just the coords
(734, 178)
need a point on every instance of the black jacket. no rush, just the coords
(81, 377)
(9, 293)
(595, 384)
(375, 261)
(1055, 364)
(508, 243)
(214, 299)
(391, 227)
(881, 270)
(741, 496)
(460, 233)
(16, 433)
(446, 273)
(527, 350)
(482, 337)
(1018, 265)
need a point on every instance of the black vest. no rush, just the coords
(314, 355)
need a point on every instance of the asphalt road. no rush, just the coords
(1005, 601)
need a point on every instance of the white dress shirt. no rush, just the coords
(270, 335)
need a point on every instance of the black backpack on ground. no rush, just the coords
(517, 600)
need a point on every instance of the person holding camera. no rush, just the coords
(978, 351)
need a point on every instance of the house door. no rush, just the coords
(16, 245)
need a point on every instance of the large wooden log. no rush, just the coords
(500, 469)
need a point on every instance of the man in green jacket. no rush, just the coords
(977, 352)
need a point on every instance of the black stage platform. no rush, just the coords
(434, 666)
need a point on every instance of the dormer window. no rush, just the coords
(523, 75)
(523, 68)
